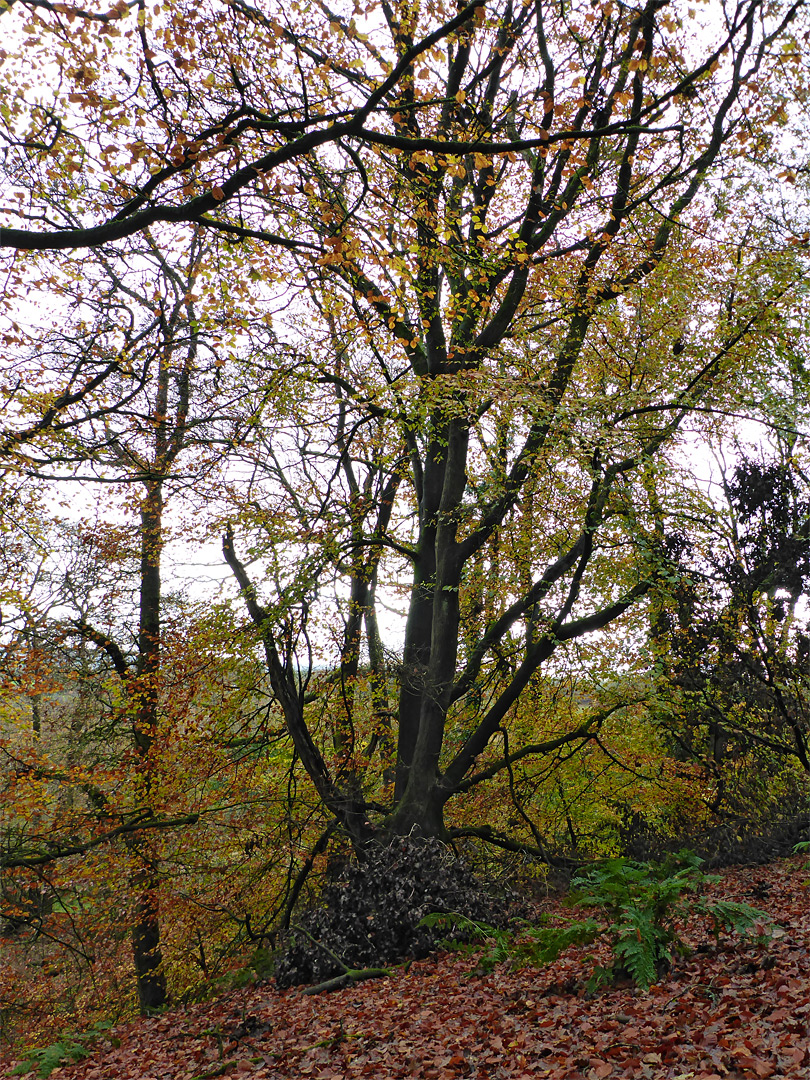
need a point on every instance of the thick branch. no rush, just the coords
(57, 850)
(107, 645)
(489, 836)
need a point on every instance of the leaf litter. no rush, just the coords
(737, 1010)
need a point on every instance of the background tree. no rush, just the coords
(727, 633)
(79, 831)
(735, 635)
(156, 426)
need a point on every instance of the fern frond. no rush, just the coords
(739, 918)
(638, 948)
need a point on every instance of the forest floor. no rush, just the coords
(730, 1012)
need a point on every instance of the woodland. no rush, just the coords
(404, 514)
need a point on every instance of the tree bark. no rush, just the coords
(146, 952)
(146, 949)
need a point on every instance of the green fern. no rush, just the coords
(803, 846)
(547, 943)
(640, 946)
(734, 917)
(68, 1050)
(641, 906)
(644, 904)
(527, 944)
(498, 940)
(47, 1058)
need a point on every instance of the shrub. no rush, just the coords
(645, 903)
(70, 1048)
(641, 907)
(371, 915)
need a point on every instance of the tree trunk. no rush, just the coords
(420, 812)
(432, 639)
(147, 955)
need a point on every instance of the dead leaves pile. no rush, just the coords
(730, 1013)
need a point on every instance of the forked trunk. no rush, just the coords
(419, 814)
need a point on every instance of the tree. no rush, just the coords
(512, 225)
(468, 279)
(155, 425)
(735, 655)
(513, 332)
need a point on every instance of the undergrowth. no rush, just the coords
(70, 1047)
(641, 908)
(373, 914)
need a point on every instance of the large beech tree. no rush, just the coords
(513, 336)
(510, 225)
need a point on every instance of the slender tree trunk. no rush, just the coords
(416, 655)
(146, 950)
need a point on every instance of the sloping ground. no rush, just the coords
(734, 1012)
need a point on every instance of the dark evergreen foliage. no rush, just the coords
(737, 644)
